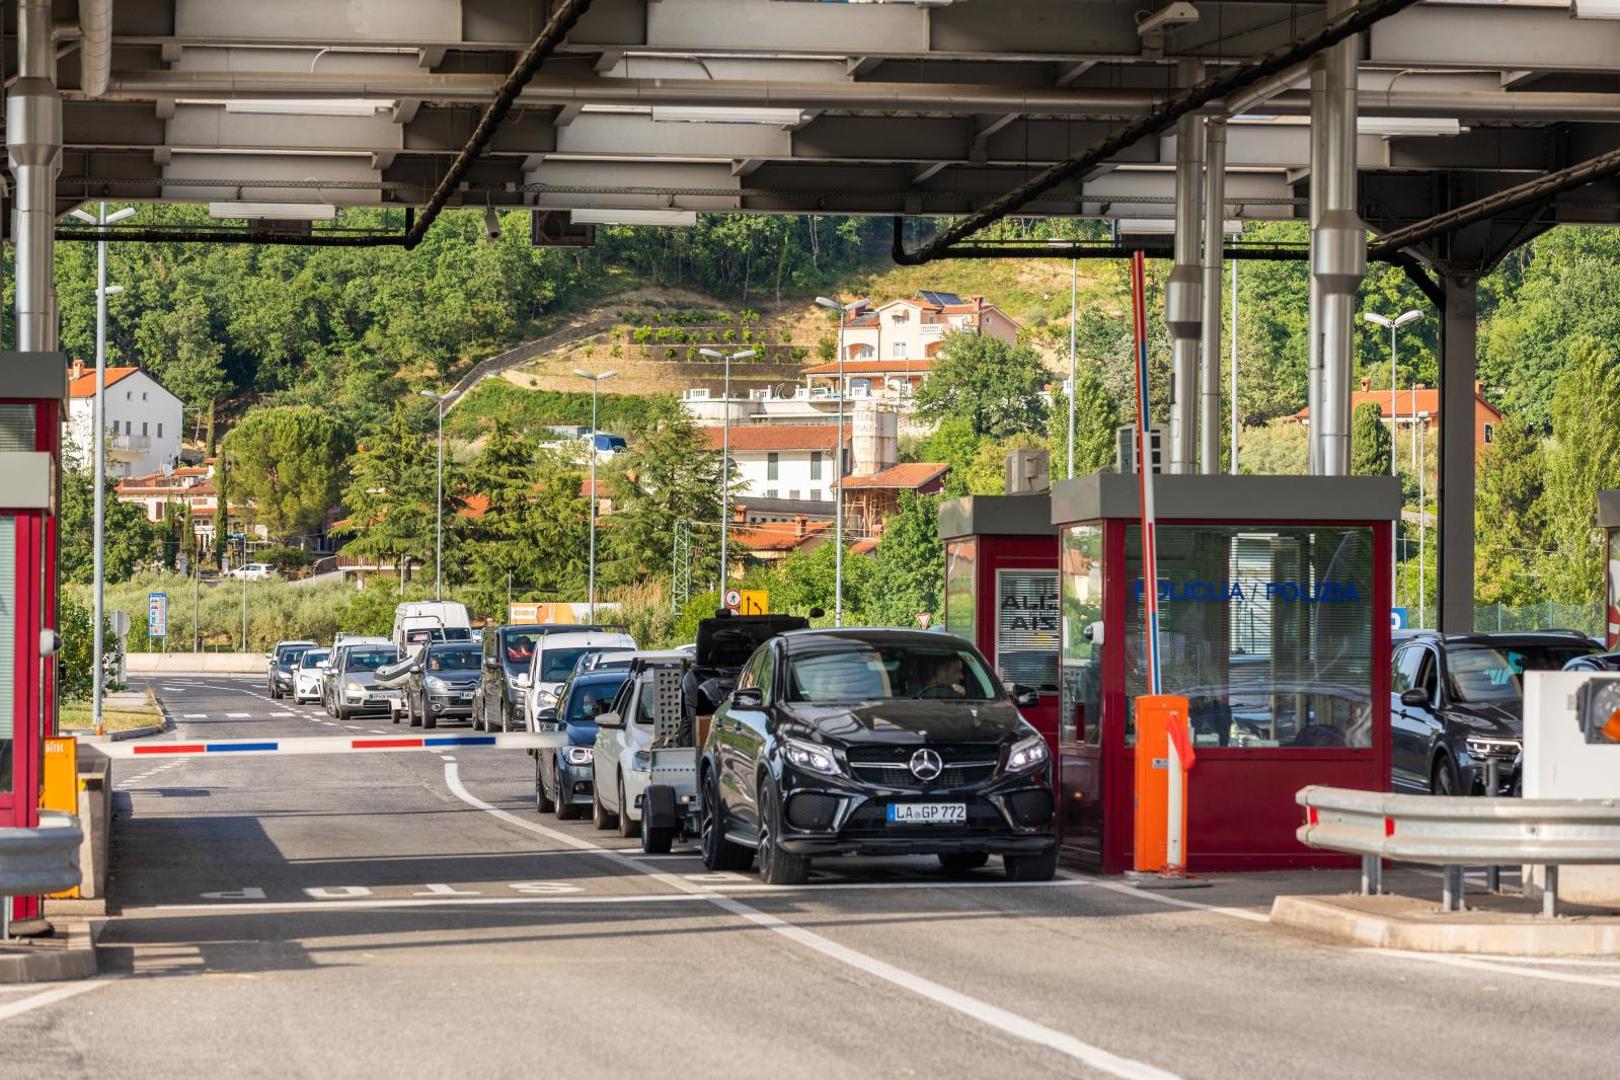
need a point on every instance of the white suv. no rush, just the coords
(553, 662)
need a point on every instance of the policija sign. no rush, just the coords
(1229, 592)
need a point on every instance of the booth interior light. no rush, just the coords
(710, 114)
(306, 106)
(1408, 125)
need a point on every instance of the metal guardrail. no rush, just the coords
(35, 861)
(1452, 832)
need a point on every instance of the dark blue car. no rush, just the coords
(562, 777)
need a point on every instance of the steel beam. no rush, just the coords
(1209, 363)
(1183, 302)
(1457, 433)
(1339, 253)
(34, 145)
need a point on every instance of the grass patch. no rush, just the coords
(77, 716)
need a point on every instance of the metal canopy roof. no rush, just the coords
(806, 107)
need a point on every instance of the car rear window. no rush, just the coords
(1493, 673)
(313, 657)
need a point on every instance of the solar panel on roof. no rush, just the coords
(940, 299)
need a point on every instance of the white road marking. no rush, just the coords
(985, 1013)
(51, 997)
(283, 714)
(195, 716)
(239, 715)
(405, 902)
(1476, 964)
(1173, 901)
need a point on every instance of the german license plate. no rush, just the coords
(385, 695)
(928, 813)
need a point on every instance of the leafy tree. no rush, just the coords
(997, 387)
(1369, 441)
(76, 621)
(1583, 457)
(391, 496)
(289, 462)
(531, 540)
(1096, 419)
(908, 568)
(671, 477)
(128, 534)
(1278, 448)
(1510, 518)
(955, 443)
(180, 347)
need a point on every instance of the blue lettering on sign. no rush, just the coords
(1225, 592)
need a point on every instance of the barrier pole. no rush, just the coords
(1144, 473)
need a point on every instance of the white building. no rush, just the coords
(913, 329)
(143, 421)
(783, 461)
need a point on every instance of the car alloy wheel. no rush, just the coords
(1042, 867)
(599, 814)
(566, 810)
(776, 867)
(1444, 780)
(542, 802)
(718, 852)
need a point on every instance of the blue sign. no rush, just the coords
(1397, 618)
(1226, 592)
(157, 615)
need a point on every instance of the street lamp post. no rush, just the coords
(438, 513)
(838, 467)
(596, 382)
(1393, 326)
(1074, 301)
(725, 458)
(1423, 513)
(98, 451)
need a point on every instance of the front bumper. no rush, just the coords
(370, 703)
(1008, 815)
(574, 783)
(450, 703)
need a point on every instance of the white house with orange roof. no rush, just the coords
(889, 349)
(142, 425)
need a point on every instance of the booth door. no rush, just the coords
(1080, 679)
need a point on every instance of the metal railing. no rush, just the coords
(1451, 832)
(37, 861)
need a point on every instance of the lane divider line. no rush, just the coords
(994, 1016)
(52, 996)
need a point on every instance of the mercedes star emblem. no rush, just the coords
(926, 765)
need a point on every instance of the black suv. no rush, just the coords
(1457, 703)
(877, 742)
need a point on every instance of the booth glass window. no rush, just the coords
(8, 649)
(1027, 628)
(961, 563)
(1080, 562)
(1612, 620)
(1267, 631)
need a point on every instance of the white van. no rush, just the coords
(553, 662)
(417, 622)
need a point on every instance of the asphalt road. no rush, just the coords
(410, 915)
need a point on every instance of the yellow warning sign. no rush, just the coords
(754, 602)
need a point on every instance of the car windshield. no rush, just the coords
(288, 655)
(369, 660)
(312, 657)
(557, 664)
(453, 660)
(516, 650)
(597, 659)
(586, 700)
(1486, 673)
(882, 671)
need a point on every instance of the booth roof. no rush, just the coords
(997, 515)
(1260, 499)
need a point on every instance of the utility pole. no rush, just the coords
(725, 457)
(438, 516)
(838, 466)
(1393, 326)
(596, 382)
(98, 442)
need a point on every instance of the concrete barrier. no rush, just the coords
(189, 663)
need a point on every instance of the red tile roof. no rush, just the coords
(1427, 401)
(868, 367)
(863, 547)
(907, 476)
(779, 535)
(767, 437)
(85, 385)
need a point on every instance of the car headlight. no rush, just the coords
(433, 682)
(579, 755)
(545, 697)
(1480, 747)
(810, 757)
(1028, 754)
(354, 687)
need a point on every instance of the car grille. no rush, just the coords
(964, 763)
(872, 820)
(811, 810)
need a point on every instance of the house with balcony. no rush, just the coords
(142, 426)
(913, 328)
(189, 488)
(1420, 404)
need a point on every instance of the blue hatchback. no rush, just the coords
(562, 777)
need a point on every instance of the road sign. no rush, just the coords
(120, 622)
(157, 614)
(1397, 618)
(754, 602)
(733, 599)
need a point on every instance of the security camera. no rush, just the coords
(492, 224)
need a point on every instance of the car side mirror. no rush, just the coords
(749, 697)
(547, 715)
(1414, 697)
(1024, 697)
(609, 720)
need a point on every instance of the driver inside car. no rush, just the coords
(946, 679)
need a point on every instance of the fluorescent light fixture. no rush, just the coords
(709, 114)
(1177, 14)
(1596, 9)
(1167, 226)
(1408, 125)
(685, 218)
(266, 211)
(306, 106)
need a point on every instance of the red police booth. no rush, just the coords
(33, 388)
(1608, 507)
(1274, 595)
(1001, 590)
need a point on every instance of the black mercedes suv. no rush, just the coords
(1457, 703)
(874, 742)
